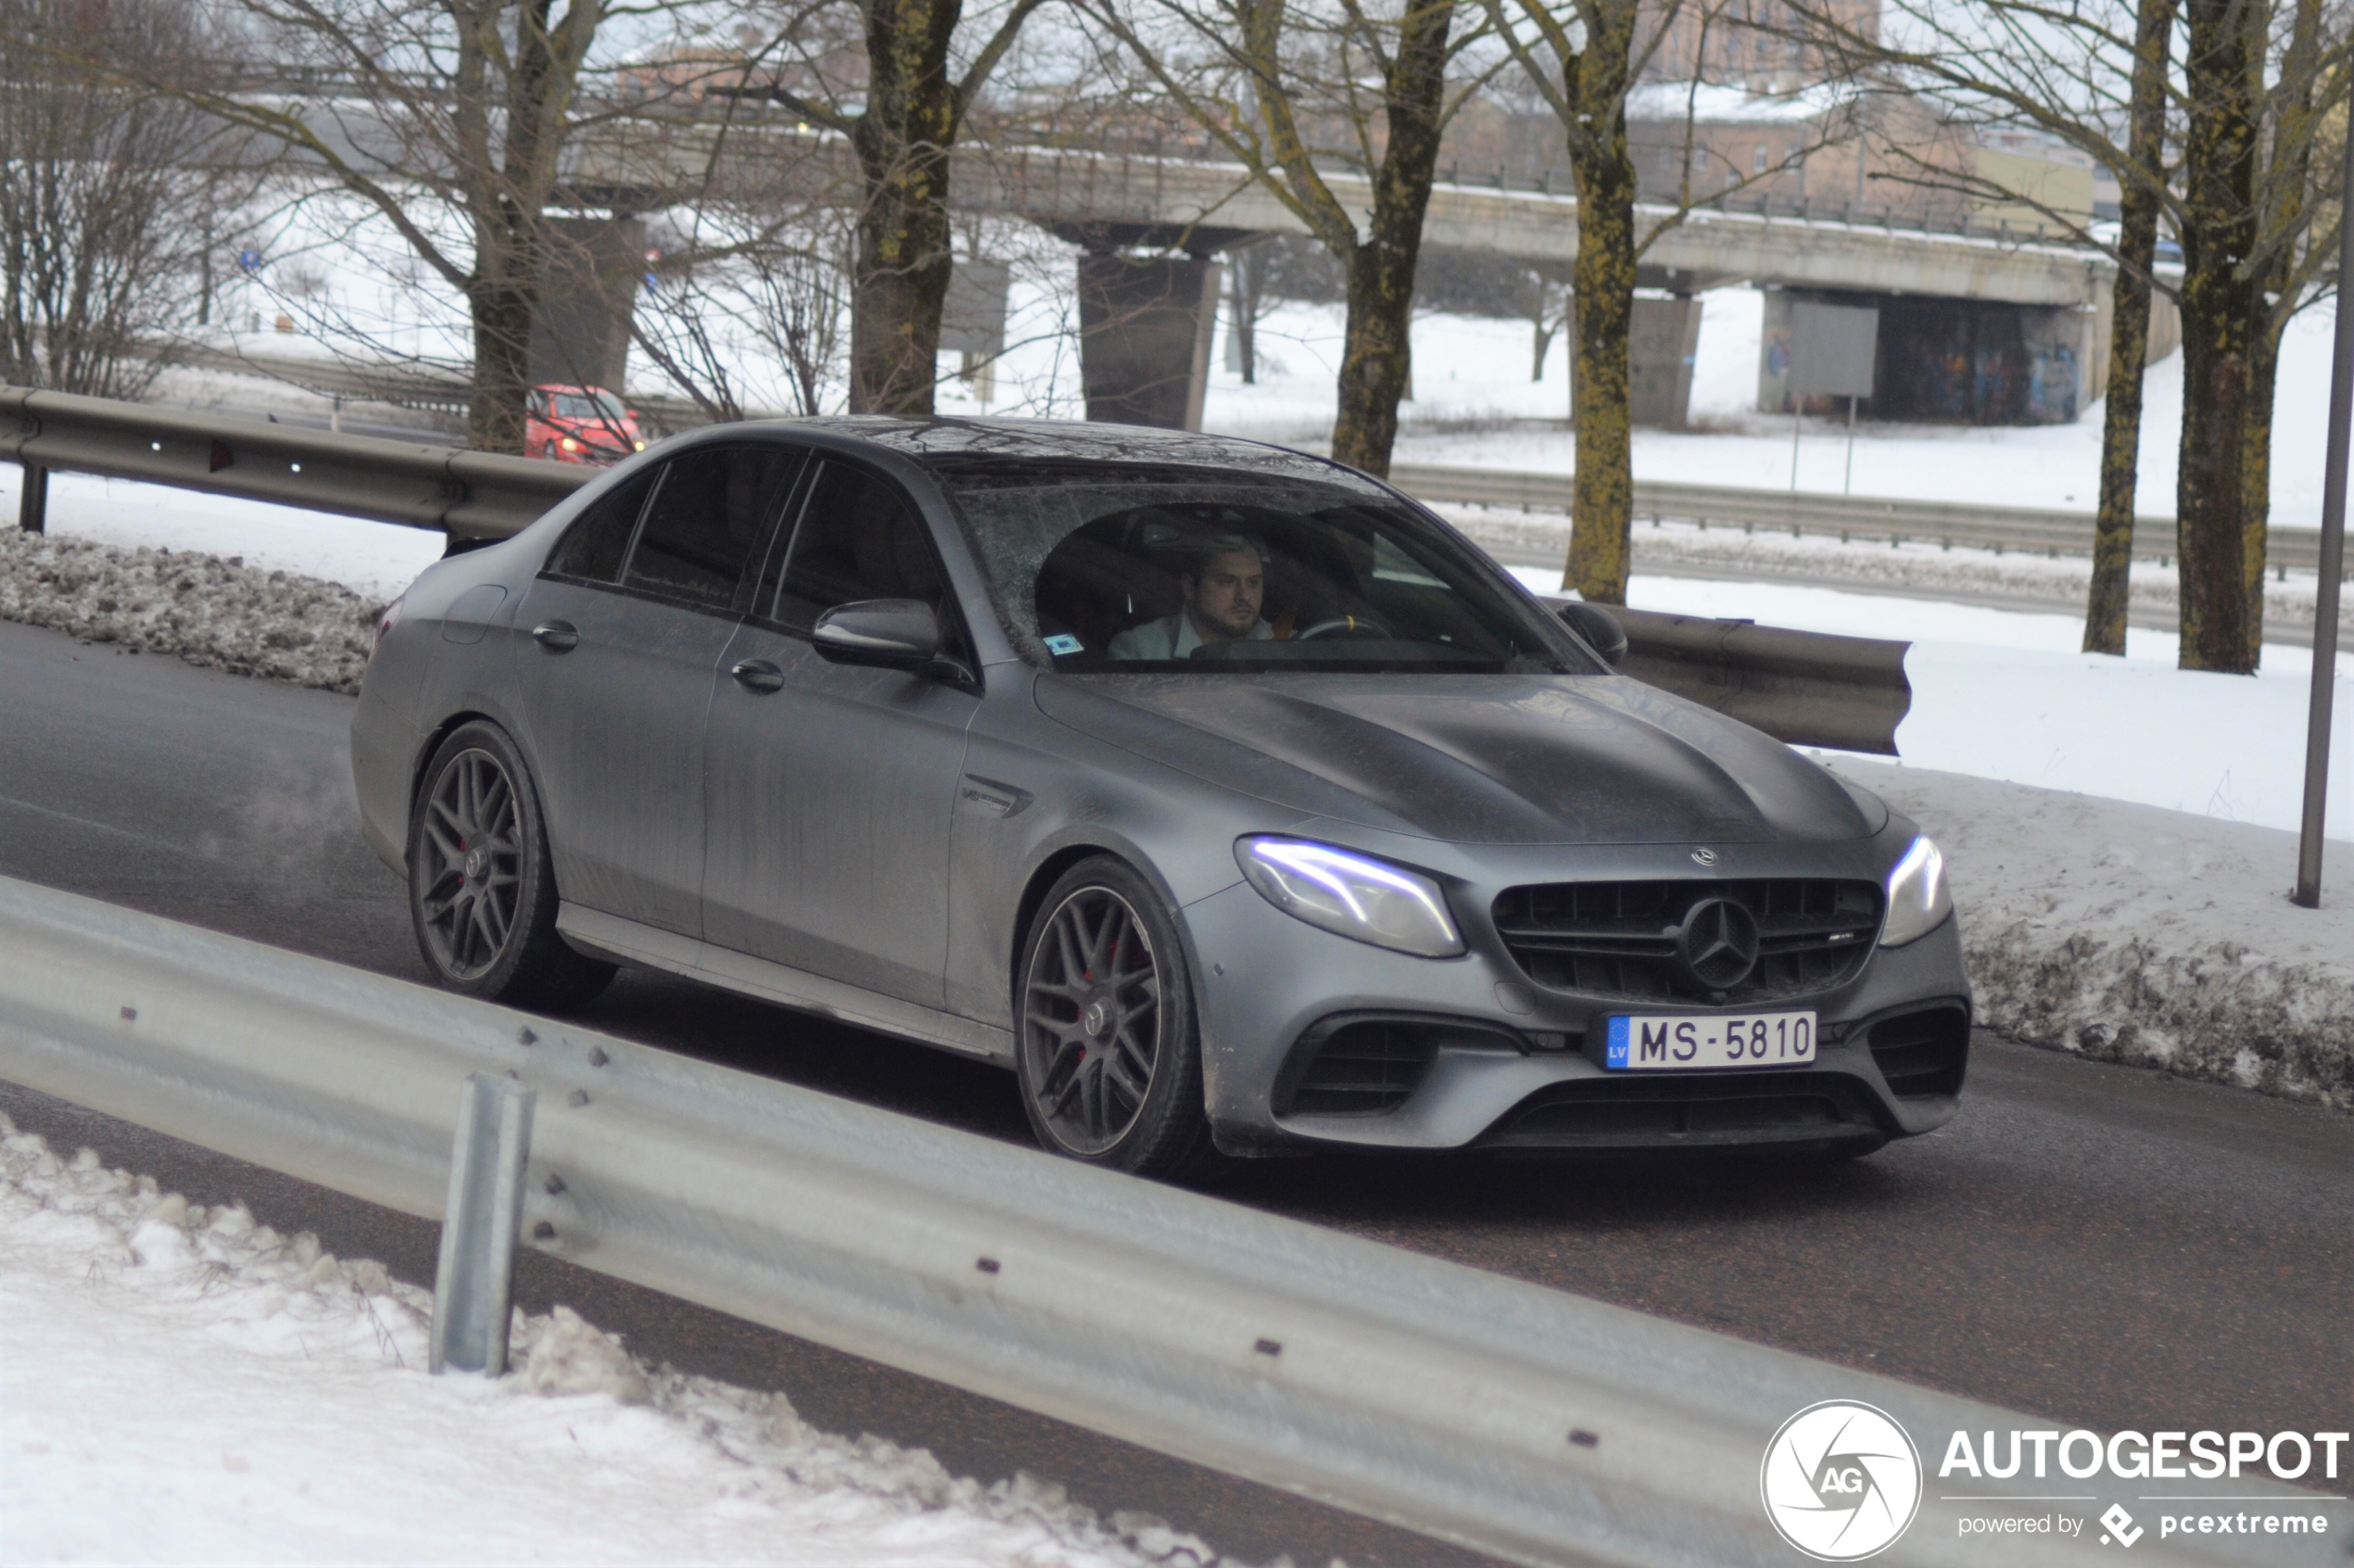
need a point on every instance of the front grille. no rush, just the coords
(1734, 1108)
(1621, 940)
(1922, 1055)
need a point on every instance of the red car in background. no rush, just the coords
(580, 425)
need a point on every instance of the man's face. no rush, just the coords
(1224, 600)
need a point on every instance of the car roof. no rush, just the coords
(952, 443)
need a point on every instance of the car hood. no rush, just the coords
(1472, 759)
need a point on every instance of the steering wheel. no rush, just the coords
(1346, 626)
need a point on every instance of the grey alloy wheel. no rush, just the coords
(471, 887)
(1092, 1021)
(481, 891)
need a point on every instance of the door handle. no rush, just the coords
(758, 675)
(556, 636)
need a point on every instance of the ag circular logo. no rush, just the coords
(1841, 1481)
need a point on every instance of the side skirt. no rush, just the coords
(627, 942)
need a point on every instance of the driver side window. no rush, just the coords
(858, 539)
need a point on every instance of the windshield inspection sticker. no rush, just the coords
(1062, 643)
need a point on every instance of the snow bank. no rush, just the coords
(201, 608)
(184, 1385)
(2128, 933)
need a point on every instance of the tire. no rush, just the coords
(1109, 1057)
(482, 892)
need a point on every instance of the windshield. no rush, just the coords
(589, 405)
(1127, 567)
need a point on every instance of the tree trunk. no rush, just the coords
(2256, 482)
(500, 306)
(1244, 321)
(1375, 364)
(1602, 309)
(508, 199)
(2221, 320)
(903, 263)
(2104, 611)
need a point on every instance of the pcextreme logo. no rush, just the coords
(1841, 1481)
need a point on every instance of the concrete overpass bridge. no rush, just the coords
(2019, 306)
(1978, 303)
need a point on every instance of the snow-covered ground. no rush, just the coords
(180, 1385)
(1474, 406)
(2129, 933)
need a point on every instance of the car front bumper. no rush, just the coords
(1513, 1064)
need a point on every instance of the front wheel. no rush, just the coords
(482, 894)
(1109, 1049)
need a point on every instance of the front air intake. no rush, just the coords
(1922, 1055)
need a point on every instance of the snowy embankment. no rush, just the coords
(247, 620)
(184, 1385)
(2129, 933)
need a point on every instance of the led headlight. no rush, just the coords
(1351, 895)
(1918, 901)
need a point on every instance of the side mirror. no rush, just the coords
(896, 634)
(1598, 627)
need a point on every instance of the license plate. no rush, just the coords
(1708, 1042)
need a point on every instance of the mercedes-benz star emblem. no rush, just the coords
(1096, 1018)
(1704, 856)
(1717, 943)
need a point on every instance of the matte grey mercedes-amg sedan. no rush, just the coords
(1233, 800)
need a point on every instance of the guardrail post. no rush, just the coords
(33, 499)
(475, 1280)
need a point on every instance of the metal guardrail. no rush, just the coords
(467, 494)
(1848, 517)
(1807, 689)
(1520, 1421)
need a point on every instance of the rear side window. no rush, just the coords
(859, 539)
(705, 521)
(598, 542)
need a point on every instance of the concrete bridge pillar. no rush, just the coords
(1662, 346)
(1144, 332)
(580, 332)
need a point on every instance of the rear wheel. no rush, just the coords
(1108, 1047)
(481, 892)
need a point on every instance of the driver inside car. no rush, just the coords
(1223, 591)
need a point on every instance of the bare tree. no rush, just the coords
(2241, 98)
(1292, 92)
(1584, 58)
(901, 109)
(2141, 179)
(1546, 300)
(108, 194)
(772, 293)
(452, 120)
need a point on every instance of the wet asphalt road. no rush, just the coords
(2100, 1246)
